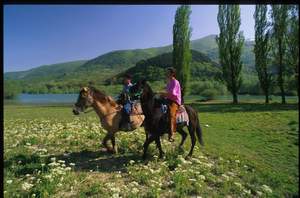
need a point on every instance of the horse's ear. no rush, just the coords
(85, 89)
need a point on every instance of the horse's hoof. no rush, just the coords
(162, 156)
(144, 157)
(110, 150)
(188, 157)
(180, 148)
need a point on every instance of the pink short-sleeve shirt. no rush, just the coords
(174, 91)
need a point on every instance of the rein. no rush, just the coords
(89, 111)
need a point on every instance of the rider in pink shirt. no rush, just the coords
(173, 94)
(174, 91)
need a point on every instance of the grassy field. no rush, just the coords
(251, 150)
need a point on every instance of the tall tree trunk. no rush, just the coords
(235, 98)
(280, 77)
(267, 97)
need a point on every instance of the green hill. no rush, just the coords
(68, 77)
(45, 71)
(153, 69)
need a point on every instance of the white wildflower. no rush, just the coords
(68, 168)
(259, 193)
(202, 177)
(238, 184)
(225, 176)
(131, 162)
(135, 190)
(115, 195)
(9, 181)
(247, 191)
(26, 186)
(267, 189)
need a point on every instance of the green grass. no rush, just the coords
(250, 150)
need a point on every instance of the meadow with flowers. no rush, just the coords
(251, 150)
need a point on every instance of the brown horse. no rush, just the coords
(108, 111)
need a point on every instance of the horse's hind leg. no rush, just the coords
(104, 142)
(193, 140)
(113, 142)
(150, 139)
(183, 135)
(158, 144)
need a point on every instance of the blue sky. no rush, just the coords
(36, 35)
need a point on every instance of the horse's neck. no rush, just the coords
(99, 109)
(103, 109)
(148, 102)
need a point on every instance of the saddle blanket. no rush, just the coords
(136, 109)
(181, 114)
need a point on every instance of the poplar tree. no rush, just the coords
(279, 25)
(261, 49)
(230, 42)
(181, 46)
(293, 43)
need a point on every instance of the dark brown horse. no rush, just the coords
(156, 123)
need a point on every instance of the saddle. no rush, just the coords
(181, 114)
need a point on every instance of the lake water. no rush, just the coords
(46, 98)
(71, 98)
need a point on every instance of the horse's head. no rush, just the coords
(138, 87)
(85, 99)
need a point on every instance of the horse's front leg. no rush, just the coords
(104, 143)
(193, 140)
(158, 144)
(150, 139)
(113, 142)
(183, 136)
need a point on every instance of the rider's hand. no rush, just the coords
(163, 94)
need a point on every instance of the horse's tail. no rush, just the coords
(194, 120)
(199, 130)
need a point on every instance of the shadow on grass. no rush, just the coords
(99, 161)
(243, 107)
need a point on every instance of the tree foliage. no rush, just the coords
(230, 42)
(293, 44)
(279, 29)
(181, 45)
(261, 49)
(11, 89)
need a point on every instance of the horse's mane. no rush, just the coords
(102, 97)
(148, 88)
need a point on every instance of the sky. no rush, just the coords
(36, 35)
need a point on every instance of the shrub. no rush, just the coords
(210, 94)
(209, 89)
